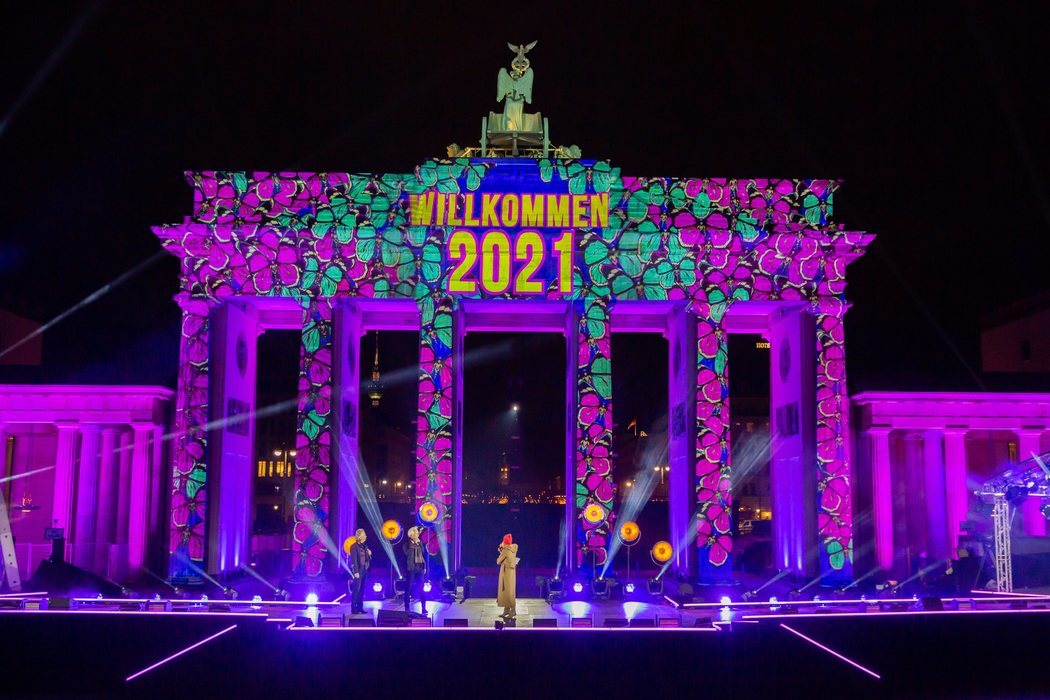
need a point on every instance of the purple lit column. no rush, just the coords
(189, 476)
(956, 490)
(714, 491)
(681, 435)
(123, 488)
(233, 357)
(346, 413)
(835, 499)
(310, 538)
(936, 496)
(138, 508)
(882, 495)
(459, 339)
(65, 471)
(87, 493)
(1031, 509)
(592, 437)
(435, 429)
(108, 490)
(793, 440)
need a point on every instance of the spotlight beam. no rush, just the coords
(86, 301)
(45, 69)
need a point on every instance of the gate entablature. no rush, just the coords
(514, 231)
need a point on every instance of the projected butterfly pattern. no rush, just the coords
(708, 242)
(313, 442)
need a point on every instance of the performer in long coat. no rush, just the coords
(508, 561)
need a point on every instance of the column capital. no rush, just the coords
(1030, 431)
(90, 428)
(879, 431)
(143, 426)
(956, 431)
(67, 426)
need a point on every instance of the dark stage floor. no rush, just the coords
(989, 647)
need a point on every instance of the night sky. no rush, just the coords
(934, 116)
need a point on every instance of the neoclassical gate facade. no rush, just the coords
(462, 244)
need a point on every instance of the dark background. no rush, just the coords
(934, 115)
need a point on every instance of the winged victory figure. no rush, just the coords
(515, 86)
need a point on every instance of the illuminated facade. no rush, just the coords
(565, 246)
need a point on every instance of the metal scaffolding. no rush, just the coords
(1004, 576)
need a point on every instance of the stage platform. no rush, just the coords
(981, 646)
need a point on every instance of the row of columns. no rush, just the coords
(937, 458)
(106, 485)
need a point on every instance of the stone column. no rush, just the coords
(681, 436)
(834, 471)
(957, 491)
(882, 495)
(65, 472)
(436, 422)
(714, 491)
(108, 488)
(123, 487)
(793, 440)
(936, 496)
(459, 341)
(909, 509)
(1031, 509)
(189, 483)
(591, 424)
(346, 372)
(233, 353)
(87, 498)
(138, 510)
(311, 540)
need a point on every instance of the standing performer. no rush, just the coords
(508, 561)
(415, 569)
(360, 563)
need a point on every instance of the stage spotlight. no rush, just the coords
(515, 407)
(311, 599)
(661, 552)
(392, 531)
(1046, 510)
(1015, 495)
(725, 600)
(577, 587)
(399, 585)
(594, 514)
(204, 597)
(428, 512)
(427, 587)
(448, 586)
(629, 532)
(601, 586)
(281, 594)
(628, 587)
(377, 588)
(230, 593)
(655, 587)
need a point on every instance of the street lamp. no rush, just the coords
(283, 454)
(663, 472)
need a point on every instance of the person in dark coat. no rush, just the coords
(360, 563)
(415, 569)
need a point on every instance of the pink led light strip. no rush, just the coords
(179, 653)
(834, 653)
